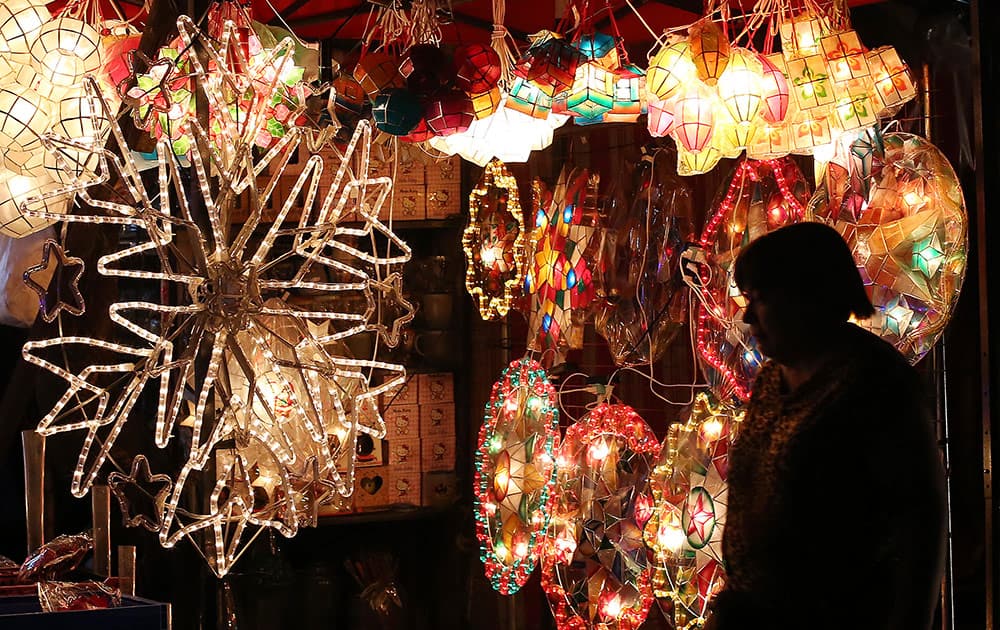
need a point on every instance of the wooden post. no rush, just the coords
(126, 569)
(33, 446)
(100, 501)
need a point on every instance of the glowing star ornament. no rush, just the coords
(494, 242)
(758, 198)
(62, 293)
(276, 402)
(515, 473)
(595, 568)
(689, 489)
(899, 205)
(141, 494)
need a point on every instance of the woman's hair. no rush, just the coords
(808, 262)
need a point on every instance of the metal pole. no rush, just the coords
(100, 501)
(33, 446)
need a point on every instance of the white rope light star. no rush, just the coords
(268, 400)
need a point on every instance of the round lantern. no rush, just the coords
(485, 103)
(20, 22)
(906, 224)
(450, 113)
(427, 70)
(350, 96)
(420, 133)
(24, 116)
(550, 64)
(65, 49)
(595, 570)
(81, 120)
(689, 486)
(774, 88)
(39, 85)
(478, 68)
(597, 46)
(117, 58)
(758, 198)
(694, 115)
(515, 473)
(378, 71)
(709, 50)
(396, 111)
(15, 190)
(670, 69)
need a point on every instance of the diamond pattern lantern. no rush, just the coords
(562, 274)
(689, 487)
(759, 197)
(595, 569)
(515, 473)
(494, 241)
(258, 398)
(899, 205)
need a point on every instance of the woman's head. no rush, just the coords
(802, 281)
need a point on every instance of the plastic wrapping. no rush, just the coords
(57, 557)
(90, 595)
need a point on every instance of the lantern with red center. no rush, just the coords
(478, 68)
(515, 473)
(597, 568)
(758, 198)
(450, 113)
(550, 63)
(397, 111)
(378, 71)
(494, 241)
(689, 487)
(845, 56)
(709, 50)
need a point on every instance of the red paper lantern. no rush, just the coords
(420, 133)
(550, 64)
(775, 88)
(449, 114)
(377, 71)
(478, 68)
(118, 59)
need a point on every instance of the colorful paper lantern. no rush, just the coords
(629, 95)
(478, 68)
(550, 64)
(595, 570)
(527, 98)
(694, 117)
(593, 91)
(350, 96)
(740, 89)
(397, 111)
(709, 50)
(690, 490)
(378, 71)
(494, 242)
(485, 103)
(670, 69)
(450, 113)
(845, 56)
(660, 121)
(515, 473)
(801, 35)
(759, 197)
(774, 88)
(900, 207)
(893, 82)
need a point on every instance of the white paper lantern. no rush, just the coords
(38, 84)
(15, 190)
(65, 50)
(24, 116)
(20, 22)
(78, 119)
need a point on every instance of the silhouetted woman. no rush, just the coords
(836, 509)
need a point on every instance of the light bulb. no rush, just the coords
(712, 428)
(670, 537)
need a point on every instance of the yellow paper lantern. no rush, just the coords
(893, 82)
(670, 69)
(694, 118)
(811, 83)
(20, 21)
(801, 35)
(709, 50)
(66, 49)
(811, 129)
(740, 88)
(485, 103)
(697, 163)
(770, 141)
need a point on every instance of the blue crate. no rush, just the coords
(135, 613)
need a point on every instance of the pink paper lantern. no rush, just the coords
(660, 117)
(449, 114)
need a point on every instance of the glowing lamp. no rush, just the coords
(660, 117)
(740, 88)
(811, 130)
(396, 111)
(78, 120)
(378, 71)
(599, 47)
(24, 116)
(695, 118)
(629, 95)
(697, 162)
(774, 88)
(15, 190)
(528, 98)
(769, 142)
(485, 103)
(811, 83)
(855, 112)
(478, 68)
(710, 50)
(593, 91)
(845, 56)
(450, 113)
(893, 82)
(800, 36)
(550, 63)
(65, 49)
(20, 22)
(670, 69)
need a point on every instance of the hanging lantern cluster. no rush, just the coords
(49, 122)
(717, 99)
(267, 85)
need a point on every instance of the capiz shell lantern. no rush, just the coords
(450, 113)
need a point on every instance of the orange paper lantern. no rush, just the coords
(709, 50)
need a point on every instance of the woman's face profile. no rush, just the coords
(786, 327)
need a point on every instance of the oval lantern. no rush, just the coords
(396, 111)
(478, 68)
(595, 570)
(450, 113)
(515, 473)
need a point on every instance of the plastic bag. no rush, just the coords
(90, 595)
(57, 557)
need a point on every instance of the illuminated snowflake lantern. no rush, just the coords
(494, 242)
(515, 473)
(689, 488)
(758, 198)
(595, 568)
(259, 396)
(566, 262)
(898, 203)
(264, 80)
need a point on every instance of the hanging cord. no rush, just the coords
(424, 26)
(504, 45)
